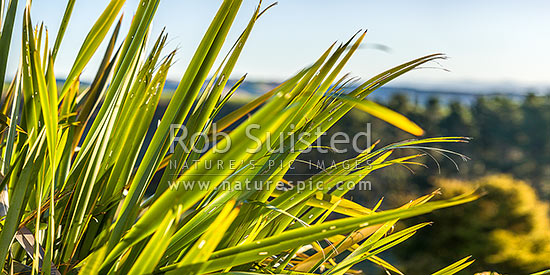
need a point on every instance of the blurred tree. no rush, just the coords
(507, 230)
(459, 121)
(432, 116)
(499, 122)
(535, 141)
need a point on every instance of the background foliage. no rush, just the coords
(506, 231)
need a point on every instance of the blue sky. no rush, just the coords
(487, 41)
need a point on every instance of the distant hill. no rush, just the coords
(464, 93)
(251, 88)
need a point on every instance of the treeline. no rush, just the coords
(508, 136)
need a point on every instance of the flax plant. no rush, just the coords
(74, 184)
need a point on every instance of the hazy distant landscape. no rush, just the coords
(464, 92)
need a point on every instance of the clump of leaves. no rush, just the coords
(508, 230)
(74, 200)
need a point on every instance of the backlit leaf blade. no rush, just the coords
(385, 114)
